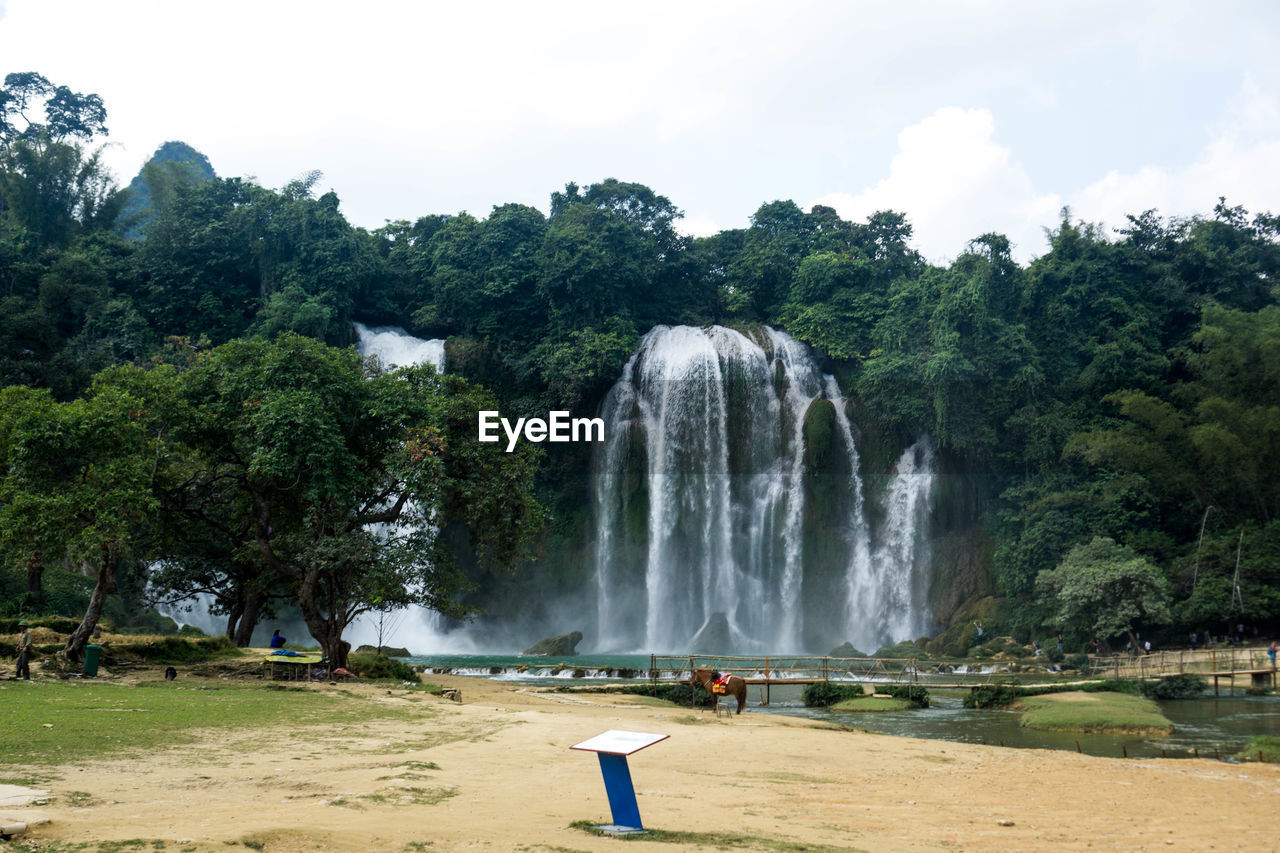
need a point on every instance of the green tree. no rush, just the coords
(1105, 589)
(66, 113)
(77, 486)
(335, 479)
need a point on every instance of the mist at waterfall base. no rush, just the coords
(730, 514)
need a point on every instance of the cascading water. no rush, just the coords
(397, 348)
(729, 504)
(414, 627)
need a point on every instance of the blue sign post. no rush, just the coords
(612, 748)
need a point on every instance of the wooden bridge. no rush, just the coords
(770, 670)
(1219, 663)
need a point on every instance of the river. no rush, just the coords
(1208, 727)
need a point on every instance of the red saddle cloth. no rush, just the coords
(721, 684)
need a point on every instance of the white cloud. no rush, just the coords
(1238, 162)
(955, 182)
(698, 226)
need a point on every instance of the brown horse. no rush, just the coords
(737, 688)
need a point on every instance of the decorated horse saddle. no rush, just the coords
(721, 684)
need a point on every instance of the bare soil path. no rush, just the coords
(496, 773)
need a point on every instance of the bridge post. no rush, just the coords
(692, 703)
(766, 681)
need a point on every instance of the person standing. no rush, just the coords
(24, 651)
(1271, 653)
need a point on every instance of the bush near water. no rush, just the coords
(824, 694)
(377, 667)
(1172, 687)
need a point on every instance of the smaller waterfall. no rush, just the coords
(887, 595)
(416, 628)
(397, 348)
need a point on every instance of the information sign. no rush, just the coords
(612, 748)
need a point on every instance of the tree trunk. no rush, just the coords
(326, 629)
(74, 650)
(248, 619)
(233, 619)
(35, 574)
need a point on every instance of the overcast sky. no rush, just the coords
(969, 116)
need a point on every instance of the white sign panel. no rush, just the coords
(619, 742)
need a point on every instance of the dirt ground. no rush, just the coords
(496, 773)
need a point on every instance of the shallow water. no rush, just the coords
(1208, 727)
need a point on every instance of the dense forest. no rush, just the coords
(1108, 415)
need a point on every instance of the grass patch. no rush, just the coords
(1117, 713)
(718, 840)
(1268, 746)
(90, 720)
(170, 650)
(872, 704)
(408, 796)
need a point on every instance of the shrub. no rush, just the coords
(381, 667)
(678, 694)
(916, 694)
(1001, 695)
(993, 696)
(824, 694)
(905, 649)
(1175, 687)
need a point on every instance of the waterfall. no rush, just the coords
(397, 348)
(416, 628)
(902, 559)
(714, 528)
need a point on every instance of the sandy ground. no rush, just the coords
(507, 781)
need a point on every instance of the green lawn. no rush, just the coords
(1093, 712)
(52, 723)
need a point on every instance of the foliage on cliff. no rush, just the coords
(1121, 385)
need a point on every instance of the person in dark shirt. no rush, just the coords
(277, 641)
(24, 651)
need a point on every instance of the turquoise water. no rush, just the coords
(1208, 727)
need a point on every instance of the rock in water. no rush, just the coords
(846, 650)
(389, 651)
(713, 636)
(562, 646)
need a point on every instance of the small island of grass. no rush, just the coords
(1099, 713)
(873, 703)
